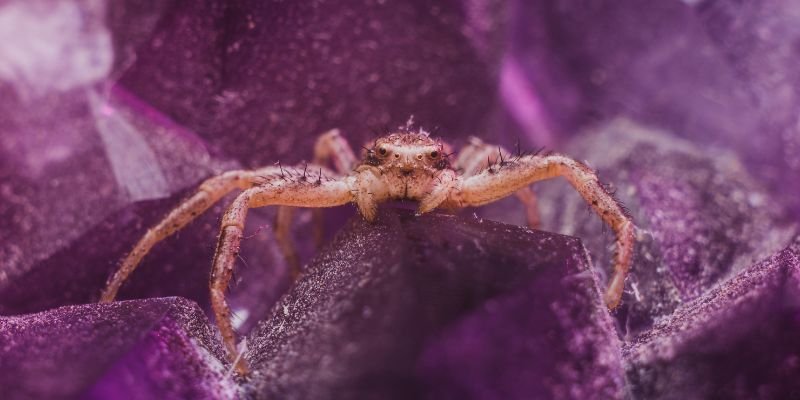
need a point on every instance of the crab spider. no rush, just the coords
(407, 165)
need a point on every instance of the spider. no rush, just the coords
(406, 165)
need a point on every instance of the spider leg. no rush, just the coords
(208, 193)
(444, 183)
(330, 148)
(368, 191)
(476, 156)
(283, 235)
(286, 191)
(499, 181)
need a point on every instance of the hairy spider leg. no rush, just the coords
(330, 148)
(444, 183)
(286, 191)
(208, 193)
(476, 156)
(498, 181)
(283, 236)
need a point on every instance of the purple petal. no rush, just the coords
(440, 307)
(144, 349)
(739, 341)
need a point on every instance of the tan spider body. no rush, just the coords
(406, 165)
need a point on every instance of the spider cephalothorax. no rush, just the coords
(403, 165)
(400, 165)
(406, 152)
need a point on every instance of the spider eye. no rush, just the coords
(382, 151)
(434, 154)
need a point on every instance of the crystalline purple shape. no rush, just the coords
(65, 235)
(276, 74)
(134, 104)
(440, 307)
(439, 279)
(718, 72)
(738, 341)
(143, 349)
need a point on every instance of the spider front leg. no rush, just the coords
(444, 183)
(207, 194)
(503, 179)
(476, 156)
(330, 148)
(309, 191)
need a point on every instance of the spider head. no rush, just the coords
(407, 152)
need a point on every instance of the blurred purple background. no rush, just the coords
(113, 111)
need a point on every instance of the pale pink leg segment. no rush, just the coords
(502, 179)
(283, 235)
(207, 194)
(312, 191)
(330, 148)
(477, 156)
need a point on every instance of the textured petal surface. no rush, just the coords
(143, 349)
(739, 341)
(440, 307)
